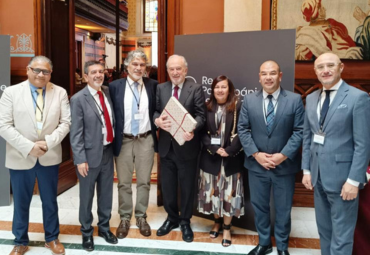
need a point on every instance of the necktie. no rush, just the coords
(325, 107)
(39, 108)
(108, 124)
(175, 92)
(270, 116)
(135, 109)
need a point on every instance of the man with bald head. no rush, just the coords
(270, 129)
(336, 152)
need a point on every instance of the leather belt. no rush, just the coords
(143, 135)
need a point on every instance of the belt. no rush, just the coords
(143, 135)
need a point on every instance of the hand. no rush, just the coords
(163, 123)
(349, 192)
(278, 158)
(43, 145)
(222, 152)
(37, 151)
(265, 160)
(83, 169)
(360, 15)
(188, 136)
(306, 181)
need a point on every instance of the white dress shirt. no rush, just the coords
(179, 90)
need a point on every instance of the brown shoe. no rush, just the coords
(143, 226)
(123, 228)
(19, 250)
(56, 247)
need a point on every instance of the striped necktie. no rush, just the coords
(270, 116)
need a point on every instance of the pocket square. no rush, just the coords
(342, 106)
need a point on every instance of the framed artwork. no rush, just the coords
(342, 27)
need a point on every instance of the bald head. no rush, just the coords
(328, 69)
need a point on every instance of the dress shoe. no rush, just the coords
(19, 250)
(261, 250)
(285, 252)
(56, 247)
(187, 233)
(108, 236)
(166, 228)
(123, 228)
(88, 243)
(143, 226)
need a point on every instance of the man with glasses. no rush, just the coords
(34, 119)
(336, 152)
(136, 140)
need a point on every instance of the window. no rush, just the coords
(150, 16)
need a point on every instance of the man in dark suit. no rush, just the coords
(270, 130)
(91, 138)
(179, 163)
(136, 140)
(336, 151)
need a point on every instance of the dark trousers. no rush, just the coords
(260, 185)
(175, 172)
(23, 182)
(103, 177)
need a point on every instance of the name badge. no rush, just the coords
(319, 138)
(39, 125)
(138, 116)
(216, 140)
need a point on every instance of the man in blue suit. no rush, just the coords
(336, 150)
(270, 129)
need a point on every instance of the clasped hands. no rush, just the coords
(164, 123)
(222, 152)
(39, 149)
(269, 161)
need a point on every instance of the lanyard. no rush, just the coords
(133, 93)
(43, 105)
(100, 108)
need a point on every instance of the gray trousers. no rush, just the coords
(135, 154)
(103, 177)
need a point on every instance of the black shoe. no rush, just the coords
(285, 252)
(166, 228)
(109, 237)
(261, 250)
(88, 243)
(187, 233)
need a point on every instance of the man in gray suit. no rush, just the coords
(336, 151)
(270, 129)
(91, 138)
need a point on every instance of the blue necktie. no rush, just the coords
(270, 116)
(135, 100)
(325, 107)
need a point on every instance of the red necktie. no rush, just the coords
(175, 92)
(106, 118)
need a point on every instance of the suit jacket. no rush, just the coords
(117, 90)
(86, 130)
(192, 98)
(18, 125)
(286, 134)
(346, 149)
(210, 161)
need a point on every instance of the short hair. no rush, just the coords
(175, 55)
(41, 59)
(310, 9)
(91, 63)
(138, 53)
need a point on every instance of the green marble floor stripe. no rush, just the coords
(111, 248)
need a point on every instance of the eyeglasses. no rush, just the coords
(329, 66)
(37, 71)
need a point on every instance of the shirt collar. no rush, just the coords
(92, 90)
(131, 81)
(34, 89)
(336, 86)
(180, 85)
(275, 95)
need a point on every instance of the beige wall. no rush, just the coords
(242, 15)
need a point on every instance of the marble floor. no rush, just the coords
(303, 241)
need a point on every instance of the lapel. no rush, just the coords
(90, 101)
(258, 108)
(341, 94)
(313, 108)
(121, 88)
(185, 91)
(229, 122)
(167, 91)
(212, 120)
(49, 95)
(106, 92)
(28, 101)
(281, 102)
(148, 89)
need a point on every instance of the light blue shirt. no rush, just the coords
(35, 94)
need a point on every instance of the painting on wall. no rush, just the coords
(342, 27)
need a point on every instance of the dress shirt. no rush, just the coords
(266, 101)
(179, 90)
(333, 93)
(95, 95)
(144, 124)
(35, 94)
